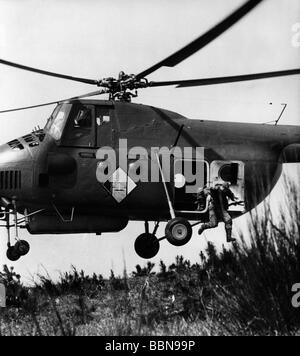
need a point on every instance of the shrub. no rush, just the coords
(245, 289)
(16, 293)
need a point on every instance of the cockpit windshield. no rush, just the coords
(57, 120)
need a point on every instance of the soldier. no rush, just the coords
(218, 207)
(201, 198)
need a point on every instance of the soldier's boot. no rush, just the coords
(229, 237)
(201, 229)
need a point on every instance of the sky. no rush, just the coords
(99, 38)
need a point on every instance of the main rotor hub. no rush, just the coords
(123, 88)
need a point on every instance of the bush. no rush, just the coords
(16, 293)
(242, 290)
(73, 282)
(254, 280)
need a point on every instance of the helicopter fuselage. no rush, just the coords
(57, 169)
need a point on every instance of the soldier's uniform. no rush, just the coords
(218, 208)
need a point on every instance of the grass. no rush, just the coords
(245, 290)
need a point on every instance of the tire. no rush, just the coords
(178, 231)
(22, 247)
(12, 254)
(146, 246)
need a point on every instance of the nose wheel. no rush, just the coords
(21, 247)
(12, 254)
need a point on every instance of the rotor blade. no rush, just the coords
(203, 40)
(222, 80)
(98, 92)
(51, 74)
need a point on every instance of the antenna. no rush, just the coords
(280, 115)
(282, 111)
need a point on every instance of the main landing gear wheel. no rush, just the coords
(178, 231)
(146, 245)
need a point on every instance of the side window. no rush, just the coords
(83, 118)
(103, 126)
(80, 129)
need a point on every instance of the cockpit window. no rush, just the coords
(80, 128)
(56, 122)
(72, 125)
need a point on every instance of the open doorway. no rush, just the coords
(232, 172)
(189, 176)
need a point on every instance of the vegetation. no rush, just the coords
(245, 290)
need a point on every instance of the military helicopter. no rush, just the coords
(51, 180)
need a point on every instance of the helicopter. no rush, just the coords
(98, 164)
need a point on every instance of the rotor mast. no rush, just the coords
(124, 88)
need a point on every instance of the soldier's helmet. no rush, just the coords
(219, 183)
(202, 190)
(226, 184)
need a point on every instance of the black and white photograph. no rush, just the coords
(149, 170)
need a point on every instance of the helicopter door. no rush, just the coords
(80, 128)
(189, 176)
(232, 172)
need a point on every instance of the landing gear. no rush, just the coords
(147, 245)
(178, 231)
(21, 247)
(12, 254)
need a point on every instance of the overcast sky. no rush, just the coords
(98, 38)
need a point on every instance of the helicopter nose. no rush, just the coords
(14, 163)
